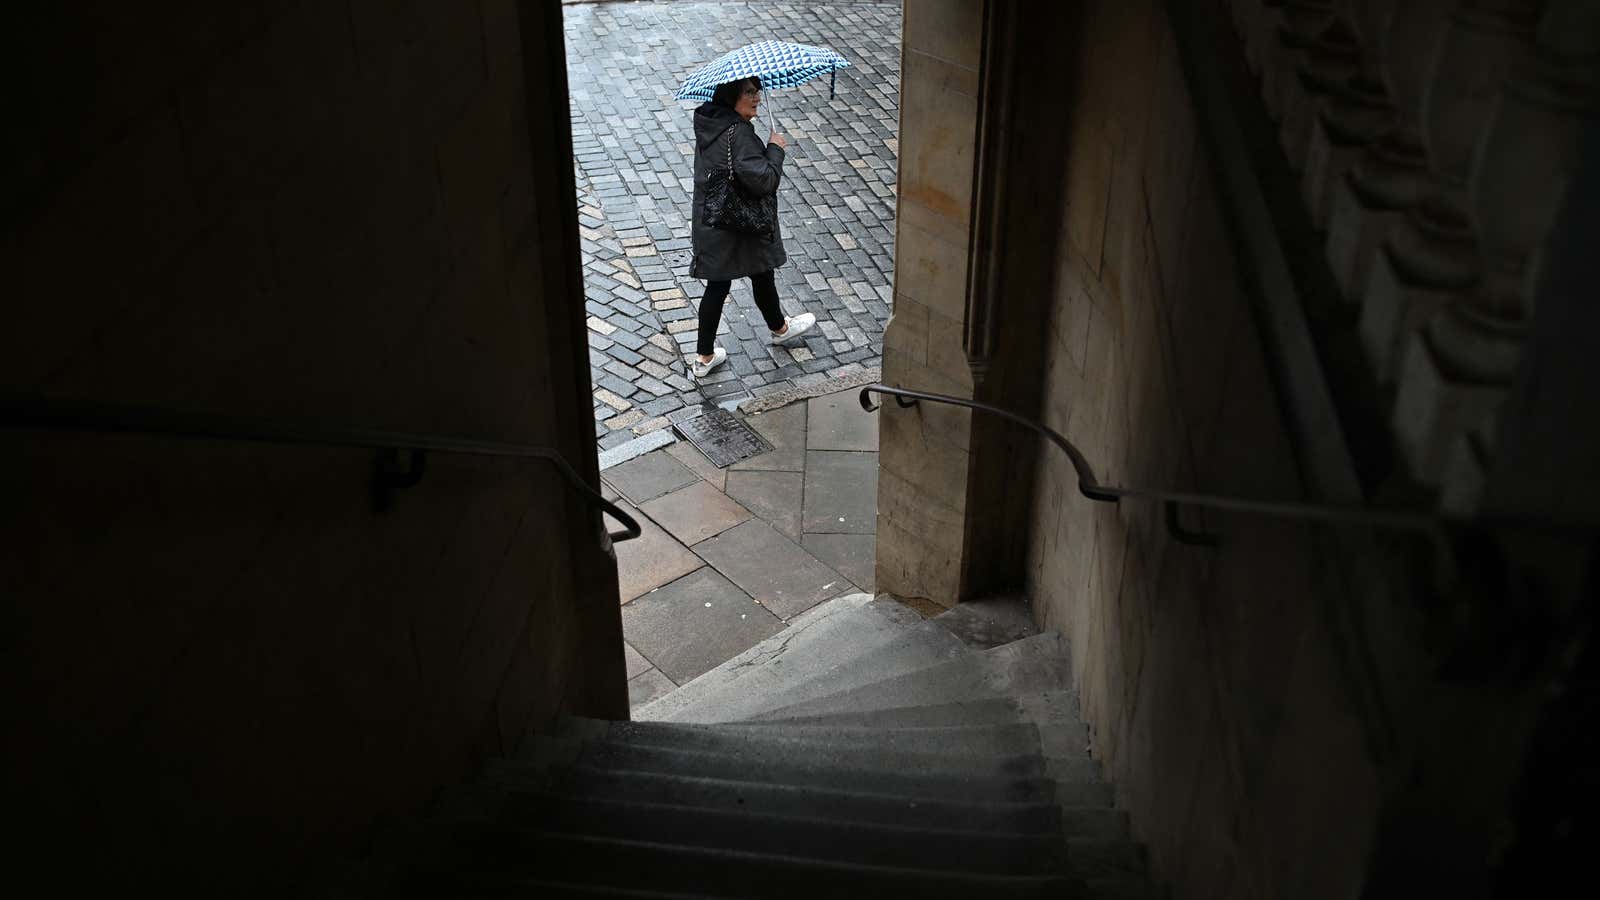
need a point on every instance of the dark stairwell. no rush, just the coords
(862, 752)
(226, 670)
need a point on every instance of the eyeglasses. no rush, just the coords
(752, 92)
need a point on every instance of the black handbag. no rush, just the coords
(730, 208)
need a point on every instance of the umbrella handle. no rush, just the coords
(772, 117)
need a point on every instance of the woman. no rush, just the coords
(719, 255)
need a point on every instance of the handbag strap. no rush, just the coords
(729, 135)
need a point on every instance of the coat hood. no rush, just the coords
(710, 121)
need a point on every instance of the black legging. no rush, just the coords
(766, 291)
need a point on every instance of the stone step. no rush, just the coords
(1098, 823)
(1122, 887)
(822, 636)
(1008, 739)
(505, 858)
(944, 847)
(1079, 767)
(991, 622)
(1034, 665)
(921, 646)
(813, 801)
(1049, 707)
(1076, 778)
(566, 890)
(1085, 792)
(1100, 835)
(905, 774)
(1102, 858)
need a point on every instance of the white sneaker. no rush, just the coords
(702, 369)
(798, 325)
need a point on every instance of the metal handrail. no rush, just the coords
(1088, 485)
(33, 412)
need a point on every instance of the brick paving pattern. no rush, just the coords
(633, 147)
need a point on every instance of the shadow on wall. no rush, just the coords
(221, 664)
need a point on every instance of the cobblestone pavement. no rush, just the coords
(633, 147)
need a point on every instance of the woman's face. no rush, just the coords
(749, 99)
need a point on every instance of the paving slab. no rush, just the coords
(650, 476)
(635, 661)
(774, 497)
(647, 686)
(852, 555)
(774, 570)
(918, 646)
(837, 422)
(785, 430)
(692, 514)
(841, 492)
(816, 624)
(650, 560)
(696, 462)
(690, 626)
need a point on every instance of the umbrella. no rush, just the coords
(779, 64)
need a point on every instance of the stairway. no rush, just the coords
(861, 752)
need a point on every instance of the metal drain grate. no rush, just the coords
(722, 437)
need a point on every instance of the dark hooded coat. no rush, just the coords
(725, 255)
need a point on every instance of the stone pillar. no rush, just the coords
(925, 457)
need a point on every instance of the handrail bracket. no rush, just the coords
(388, 474)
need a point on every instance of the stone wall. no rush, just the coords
(923, 468)
(1211, 692)
(1299, 711)
(220, 658)
(1273, 716)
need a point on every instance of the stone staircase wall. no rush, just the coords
(1253, 703)
(220, 659)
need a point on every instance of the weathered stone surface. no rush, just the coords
(650, 560)
(986, 624)
(919, 531)
(775, 497)
(837, 422)
(692, 514)
(771, 568)
(635, 661)
(777, 399)
(695, 461)
(815, 625)
(694, 623)
(785, 430)
(649, 477)
(647, 686)
(619, 453)
(851, 555)
(841, 492)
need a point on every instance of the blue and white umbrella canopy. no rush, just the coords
(779, 64)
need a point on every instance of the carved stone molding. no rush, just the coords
(989, 187)
(1435, 141)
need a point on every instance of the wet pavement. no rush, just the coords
(634, 165)
(729, 556)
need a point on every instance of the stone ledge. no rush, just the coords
(833, 385)
(639, 446)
